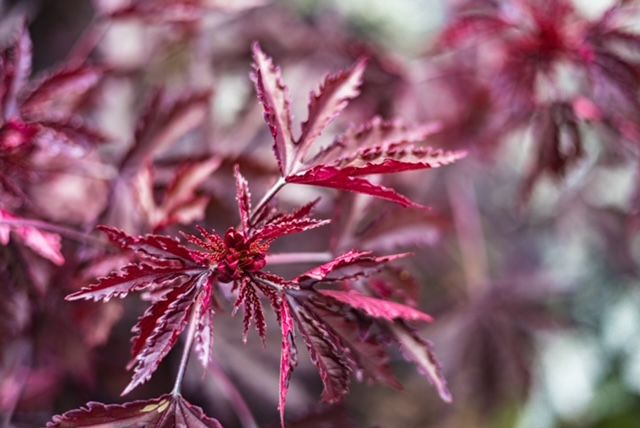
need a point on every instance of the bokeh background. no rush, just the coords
(536, 297)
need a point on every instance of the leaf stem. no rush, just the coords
(193, 321)
(277, 186)
(310, 257)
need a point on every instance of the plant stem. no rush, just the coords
(187, 350)
(277, 186)
(286, 258)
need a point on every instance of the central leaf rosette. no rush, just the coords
(240, 256)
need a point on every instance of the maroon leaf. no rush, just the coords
(152, 317)
(378, 147)
(327, 352)
(349, 265)
(59, 92)
(155, 248)
(167, 411)
(332, 178)
(274, 96)
(395, 158)
(160, 126)
(243, 197)
(366, 347)
(248, 298)
(288, 356)
(69, 131)
(133, 277)
(287, 227)
(420, 352)
(181, 204)
(187, 179)
(327, 103)
(165, 333)
(402, 228)
(376, 132)
(204, 328)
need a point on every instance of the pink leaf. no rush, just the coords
(46, 244)
(377, 308)
(349, 265)
(273, 95)
(288, 356)
(327, 103)
(167, 411)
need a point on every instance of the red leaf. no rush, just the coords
(288, 356)
(421, 353)
(133, 277)
(167, 411)
(243, 197)
(59, 92)
(273, 95)
(155, 248)
(349, 265)
(377, 308)
(326, 176)
(327, 103)
(165, 333)
(15, 68)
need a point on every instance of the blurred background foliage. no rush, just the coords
(548, 337)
